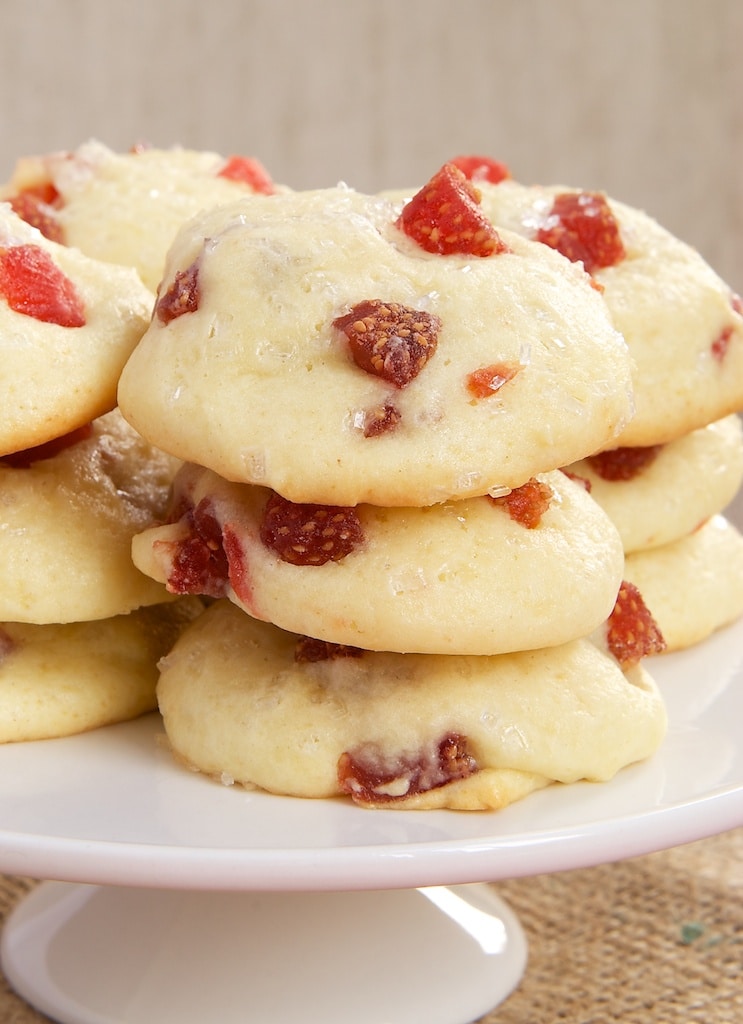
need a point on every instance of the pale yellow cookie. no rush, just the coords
(125, 208)
(680, 486)
(251, 365)
(682, 323)
(55, 377)
(238, 705)
(456, 578)
(693, 586)
(66, 524)
(59, 680)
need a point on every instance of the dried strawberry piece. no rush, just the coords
(623, 463)
(719, 346)
(36, 205)
(371, 777)
(445, 217)
(237, 565)
(7, 645)
(35, 286)
(632, 632)
(582, 227)
(304, 534)
(736, 303)
(576, 478)
(249, 171)
(28, 456)
(200, 564)
(181, 297)
(526, 504)
(389, 340)
(484, 382)
(482, 168)
(309, 649)
(381, 419)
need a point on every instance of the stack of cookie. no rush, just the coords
(666, 479)
(413, 605)
(80, 628)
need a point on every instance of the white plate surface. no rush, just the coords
(112, 807)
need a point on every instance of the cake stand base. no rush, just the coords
(88, 954)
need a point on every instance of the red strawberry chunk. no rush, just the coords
(370, 776)
(33, 285)
(582, 227)
(249, 171)
(200, 564)
(37, 207)
(482, 168)
(7, 645)
(310, 649)
(487, 380)
(623, 463)
(526, 504)
(390, 340)
(632, 632)
(182, 296)
(445, 217)
(305, 534)
(720, 345)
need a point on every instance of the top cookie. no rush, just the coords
(126, 207)
(306, 343)
(67, 325)
(682, 323)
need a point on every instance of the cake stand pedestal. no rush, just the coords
(89, 954)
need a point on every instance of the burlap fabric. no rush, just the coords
(653, 940)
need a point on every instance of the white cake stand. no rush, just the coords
(180, 899)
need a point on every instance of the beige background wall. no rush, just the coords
(643, 98)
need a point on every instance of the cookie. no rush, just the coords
(682, 323)
(693, 586)
(659, 494)
(477, 576)
(67, 325)
(66, 523)
(59, 680)
(245, 702)
(125, 208)
(306, 343)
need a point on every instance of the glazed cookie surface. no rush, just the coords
(67, 325)
(682, 323)
(125, 208)
(659, 494)
(477, 576)
(693, 586)
(67, 523)
(59, 680)
(306, 343)
(243, 700)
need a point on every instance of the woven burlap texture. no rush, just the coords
(653, 940)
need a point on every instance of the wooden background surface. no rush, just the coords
(642, 98)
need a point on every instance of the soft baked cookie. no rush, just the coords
(534, 568)
(309, 344)
(66, 523)
(243, 701)
(58, 680)
(659, 494)
(693, 586)
(67, 325)
(125, 208)
(682, 323)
